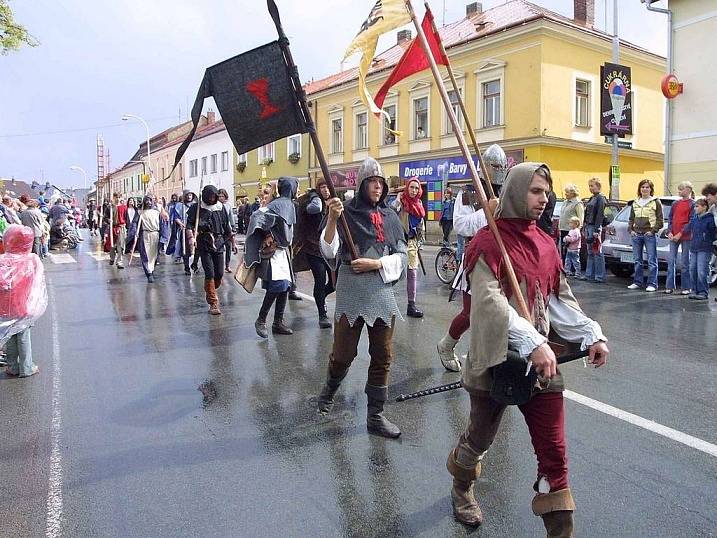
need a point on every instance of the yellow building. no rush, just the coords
(286, 157)
(530, 82)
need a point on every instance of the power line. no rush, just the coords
(80, 129)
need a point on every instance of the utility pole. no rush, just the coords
(614, 181)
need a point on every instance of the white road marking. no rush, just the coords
(675, 435)
(62, 258)
(650, 425)
(53, 521)
(104, 256)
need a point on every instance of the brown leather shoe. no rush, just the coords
(464, 465)
(465, 507)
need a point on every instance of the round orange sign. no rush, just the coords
(671, 86)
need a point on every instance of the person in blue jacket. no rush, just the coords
(703, 230)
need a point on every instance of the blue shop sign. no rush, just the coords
(445, 169)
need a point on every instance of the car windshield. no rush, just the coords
(624, 214)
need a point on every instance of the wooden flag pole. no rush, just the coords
(522, 304)
(309, 121)
(469, 127)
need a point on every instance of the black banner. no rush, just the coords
(255, 98)
(615, 100)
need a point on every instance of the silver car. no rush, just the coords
(617, 246)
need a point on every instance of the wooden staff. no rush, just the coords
(136, 236)
(513, 280)
(469, 127)
(309, 121)
(195, 261)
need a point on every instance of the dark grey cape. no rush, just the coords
(278, 219)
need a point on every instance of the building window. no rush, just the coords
(582, 103)
(491, 103)
(225, 161)
(242, 158)
(293, 145)
(162, 176)
(213, 164)
(420, 117)
(453, 97)
(193, 168)
(362, 130)
(389, 123)
(266, 152)
(204, 165)
(181, 172)
(337, 135)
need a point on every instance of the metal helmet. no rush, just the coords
(497, 163)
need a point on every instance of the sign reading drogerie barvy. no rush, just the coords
(615, 100)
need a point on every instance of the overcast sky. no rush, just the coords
(99, 59)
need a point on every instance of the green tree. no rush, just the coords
(12, 35)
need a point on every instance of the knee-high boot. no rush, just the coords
(465, 466)
(326, 398)
(260, 323)
(278, 326)
(211, 296)
(556, 508)
(376, 423)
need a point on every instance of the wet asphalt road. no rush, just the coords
(170, 423)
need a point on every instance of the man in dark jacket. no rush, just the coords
(594, 217)
(307, 254)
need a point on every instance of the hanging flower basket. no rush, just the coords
(241, 166)
(294, 158)
(267, 161)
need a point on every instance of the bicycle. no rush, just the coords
(446, 264)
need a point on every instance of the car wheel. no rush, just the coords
(712, 277)
(622, 271)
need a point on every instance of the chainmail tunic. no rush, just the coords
(366, 295)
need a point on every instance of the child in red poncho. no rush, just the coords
(23, 298)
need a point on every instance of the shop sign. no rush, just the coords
(615, 99)
(344, 178)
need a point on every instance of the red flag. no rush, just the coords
(414, 59)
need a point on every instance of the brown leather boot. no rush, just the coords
(556, 508)
(464, 465)
(211, 296)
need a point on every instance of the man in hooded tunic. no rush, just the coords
(496, 327)
(364, 290)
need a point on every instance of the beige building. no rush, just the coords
(693, 140)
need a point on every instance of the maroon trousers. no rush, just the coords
(545, 416)
(462, 321)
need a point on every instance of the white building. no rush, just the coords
(209, 159)
(693, 139)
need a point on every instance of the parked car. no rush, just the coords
(617, 246)
(612, 208)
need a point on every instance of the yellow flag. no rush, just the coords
(385, 16)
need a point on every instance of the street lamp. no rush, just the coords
(80, 169)
(126, 117)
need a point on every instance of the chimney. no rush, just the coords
(585, 12)
(210, 117)
(403, 35)
(474, 8)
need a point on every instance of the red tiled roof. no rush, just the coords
(209, 129)
(479, 25)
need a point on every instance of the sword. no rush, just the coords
(452, 386)
(420, 260)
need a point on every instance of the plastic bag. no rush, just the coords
(23, 295)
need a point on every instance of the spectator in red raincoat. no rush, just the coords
(23, 299)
